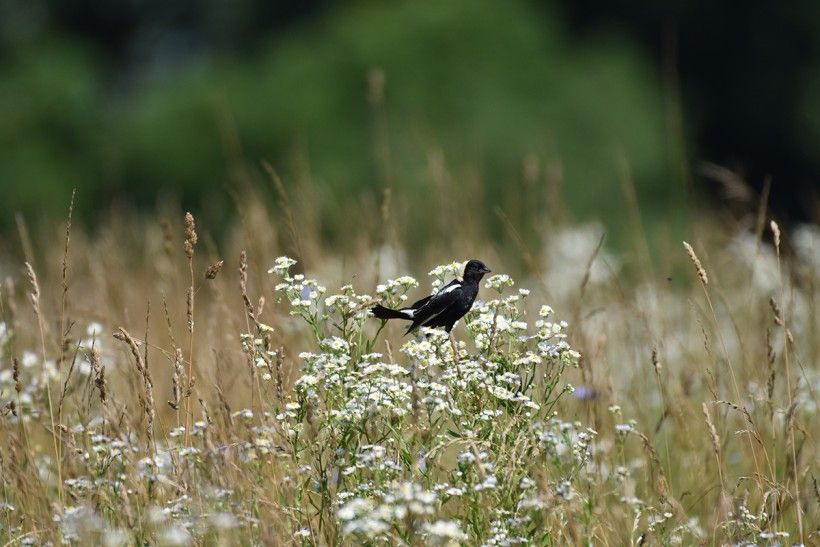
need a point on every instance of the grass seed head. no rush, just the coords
(696, 261)
(190, 236)
(214, 269)
(713, 434)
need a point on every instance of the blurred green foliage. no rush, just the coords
(485, 84)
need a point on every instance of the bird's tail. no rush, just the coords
(381, 312)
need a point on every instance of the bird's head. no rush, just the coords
(475, 269)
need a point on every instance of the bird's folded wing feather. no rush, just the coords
(419, 303)
(436, 304)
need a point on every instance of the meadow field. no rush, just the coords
(163, 382)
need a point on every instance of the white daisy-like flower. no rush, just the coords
(281, 266)
(446, 529)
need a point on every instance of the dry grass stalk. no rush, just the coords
(34, 295)
(176, 380)
(778, 315)
(715, 440)
(64, 392)
(243, 288)
(64, 284)
(778, 318)
(277, 370)
(770, 357)
(786, 357)
(748, 417)
(99, 376)
(696, 261)
(726, 355)
(168, 322)
(34, 298)
(222, 443)
(148, 385)
(18, 384)
(288, 209)
(190, 243)
(189, 309)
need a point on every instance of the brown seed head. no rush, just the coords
(35, 286)
(99, 381)
(711, 427)
(214, 269)
(696, 261)
(18, 385)
(190, 235)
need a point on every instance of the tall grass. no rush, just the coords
(676, 405)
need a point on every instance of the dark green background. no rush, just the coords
(135, 102)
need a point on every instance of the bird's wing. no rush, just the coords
(436, 304)
(411, 310)
(419, 303)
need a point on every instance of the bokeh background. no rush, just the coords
(514, 105)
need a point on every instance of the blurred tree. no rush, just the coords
(50, 128)
(486, 86)
(154, 96)
(745, 78)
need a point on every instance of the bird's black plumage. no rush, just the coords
(443, 308)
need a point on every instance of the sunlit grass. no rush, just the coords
(150, 394)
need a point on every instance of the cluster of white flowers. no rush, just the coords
(746, 521)
(364, 389)
(77, 522)
(508, 529)
(444, 531)
(281, 266)
(441, 274)
(499, 282)
(85, 357)
(347, 301)
(373, 517)
(373, 458)
(351, 396)
(394, 291)
(496, 321)
(433, 350)
(303, 294)
(258, 349)
(657, 520)
(568, 446)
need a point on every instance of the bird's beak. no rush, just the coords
(487, 270)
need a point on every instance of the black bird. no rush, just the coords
(443, 308)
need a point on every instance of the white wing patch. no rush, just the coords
(408, 312)
(451, 288)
